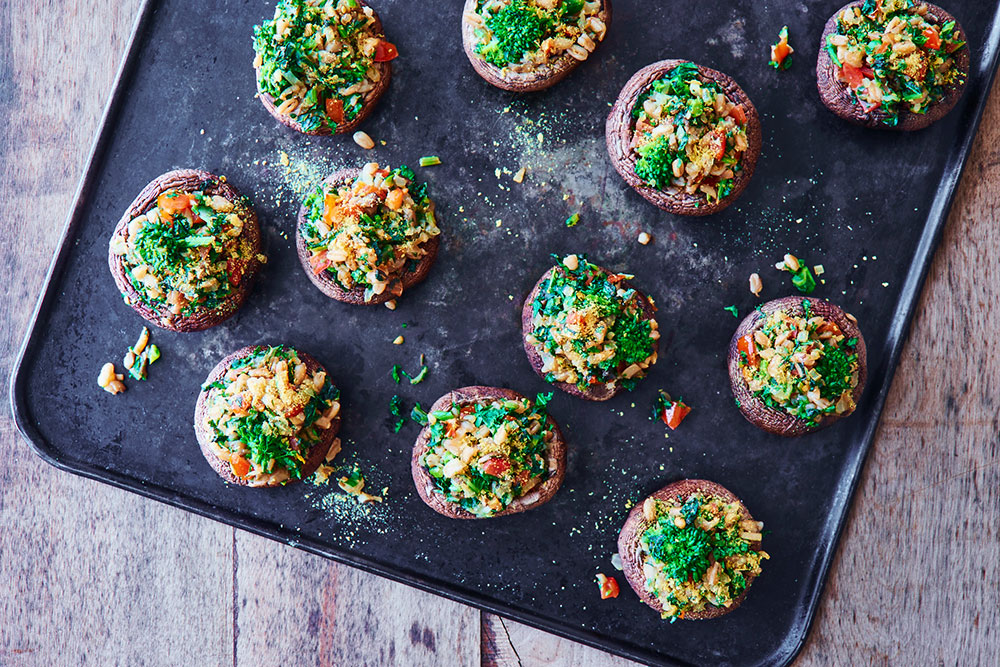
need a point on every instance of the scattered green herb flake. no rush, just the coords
(430, 161)
(154, 353)
(733, 310)
(572, 220)
(395, 373)
(803, 280)
(419, 377)
(419, 415)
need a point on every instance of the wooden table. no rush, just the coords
(89, 571)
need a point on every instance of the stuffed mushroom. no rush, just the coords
(797, 365)
(685, 137)
(366, 235)
(897, 64)
(691, 550)
(588, 330)
(186, 251)
(488, 452)
(267, 416)
(525, 45)
(322, 65)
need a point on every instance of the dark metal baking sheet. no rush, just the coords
(867, 205)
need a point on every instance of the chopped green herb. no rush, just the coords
(572, 220)
(395, 373)
(803, 280)
(430, 161)
(419, 415)
(419, 377)
(733, 310)
(154, 353)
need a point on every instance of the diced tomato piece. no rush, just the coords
(320, 262)
(495, 466)
(852, 75)
(385, 51)
(294, 411)
(234, 270)
(747, 346)
(575, 318)
(716, 142)
(394, 200)
(173, 202)
(738, 114)
(335, 110)
(608, 586)
(933, 42)
(240, 466)
(675, 414)
(780, 51)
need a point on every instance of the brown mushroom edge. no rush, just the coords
(837, 96)
(188, 180)
(598, 392)
(317, 453)
(780, 422)
(636, 524)
(371, 98)
(425, 484)
(521, 82)
(329, 286)
(620, 127)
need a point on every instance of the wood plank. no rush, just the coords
(291, 603)
(507, 643)
(89, 573)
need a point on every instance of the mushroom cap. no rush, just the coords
(189, 180)
(356, 295)
(544, 76)
(777, 421)
(619, 130)
(636, 524)
(317, 453)
(597, 392)
(837, 96)
(476, 394)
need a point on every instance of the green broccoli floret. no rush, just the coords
(835, 367)
(655, 163)
(516, 28)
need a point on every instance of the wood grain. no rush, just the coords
(91, 574)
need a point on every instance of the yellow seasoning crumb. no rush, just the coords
(391, 304)
(643, 238)
(519, 176)
(284, 159)
(398, 340)
(819, 270)
(499, 222)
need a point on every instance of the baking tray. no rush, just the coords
(868, 205)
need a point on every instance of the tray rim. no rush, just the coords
(897, 335)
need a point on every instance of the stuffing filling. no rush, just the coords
(697, 551)
(187, 252)
(526, 35)
(487, 454)
(369, 232)
(802, 364)
(689, 136)
(318, 60)
(893, 55)
(588, 329)
(267, 412)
